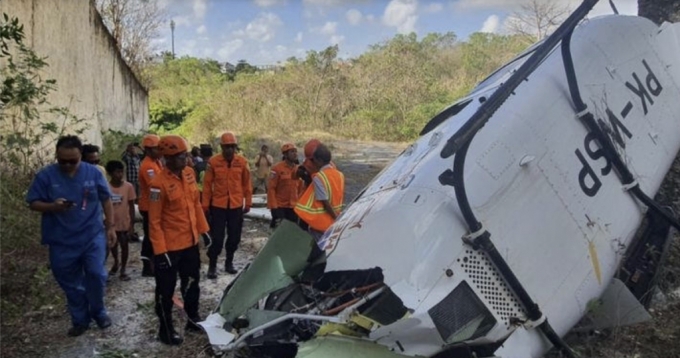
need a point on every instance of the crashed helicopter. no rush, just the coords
(518, 210)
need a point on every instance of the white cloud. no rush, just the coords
(370, 18)
(262, 29)
(402, 15)
(353, 16)
(298, 37)
(329, 28)
(269, 3)
(281, 48)
(229, 49)
(434, 7)
(462, 5)
(491, 24)
(336, 39)
(200, 7)
(163, 4)
(201, 29)
(181, 20)
(320, 8)
(324, 2)
(186, 46)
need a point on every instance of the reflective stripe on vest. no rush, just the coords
(311, 210)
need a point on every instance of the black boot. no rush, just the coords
(192, 325)
(167, 333)
(212, 268)
(228, 264)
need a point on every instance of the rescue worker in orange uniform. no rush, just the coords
(306, 170)
(176, 222)
(227, 195)
(321, 203)
(148, 169)
(284, 187)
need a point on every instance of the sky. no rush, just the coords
(267, 32)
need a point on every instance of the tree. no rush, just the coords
(659, 10)
(133, 24)
(244, 67)
(537, 19)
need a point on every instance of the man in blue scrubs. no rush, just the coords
(71, 195)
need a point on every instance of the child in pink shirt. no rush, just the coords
(123, 198)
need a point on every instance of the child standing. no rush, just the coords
(123, 198)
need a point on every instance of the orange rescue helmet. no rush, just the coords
(286, 147)
(150, 141)
(172, 145)
(310, 147)
(228, 138)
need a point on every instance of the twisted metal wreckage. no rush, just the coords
(545, 217)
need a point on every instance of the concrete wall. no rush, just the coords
(93, 81)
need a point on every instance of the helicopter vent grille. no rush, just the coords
(489, 282)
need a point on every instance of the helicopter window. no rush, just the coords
(461, 316)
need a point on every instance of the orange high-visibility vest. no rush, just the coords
(311, 210)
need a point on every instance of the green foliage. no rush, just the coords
(244, 67)
(165, 117)
(388, 93)
(10, 31)
(115, 142)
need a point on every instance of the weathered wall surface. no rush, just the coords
(93, 81)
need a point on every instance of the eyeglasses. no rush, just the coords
(68, 161)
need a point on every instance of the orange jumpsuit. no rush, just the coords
(284, 187)
(176, 221)
(226, 190)
(227, 185)
(175, 217)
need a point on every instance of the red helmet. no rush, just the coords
(172, 145)
(228, 138)
(286, 147)
(310, 147)
(150, 141)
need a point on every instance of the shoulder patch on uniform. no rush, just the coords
(272, 174)
(155, 194)
(151, 172)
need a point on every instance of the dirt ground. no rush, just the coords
(130, 304)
